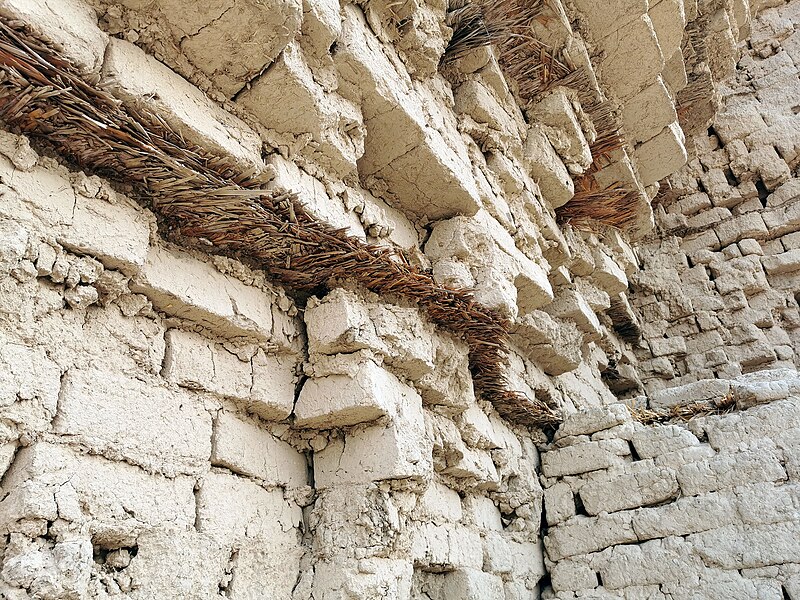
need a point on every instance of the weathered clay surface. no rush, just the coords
(718, 283)
(702, 517)
(173, 425)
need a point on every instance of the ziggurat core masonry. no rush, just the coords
(407, 300)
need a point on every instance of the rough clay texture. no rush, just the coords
(174, 426)
(704, 510)
(719, 278)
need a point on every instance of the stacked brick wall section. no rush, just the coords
(479, 219)
(130, 359)
(564, 289)
(447, 489)
(327, 88)
(146, 449)
(707, 509)
(135, 380)
(717, 292)
(174, 426)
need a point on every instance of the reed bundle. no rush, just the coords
(685, 412)
(624, 321)
(207, 197)
(536, 69)
(479, 23)
(614, 206)
(471, 29)
(508, 25)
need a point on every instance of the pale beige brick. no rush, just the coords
(70, 24)
(648, 112)
(669, 21)
(399, 138)
(117, 501)
(118, 234)
(272, 395)
(193, 361)
(244, 447)
(582, 458)
(369, 393)
(650, 486)
(399, 450)
(146, 424)
(547, 169)
(582, 535)
(139, 79)
(661, 155)
(287, 99)
(186, 287)
(636, 38)
(234, 43)
(260, 524)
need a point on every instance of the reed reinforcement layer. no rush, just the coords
(209, 198)
(537, 69)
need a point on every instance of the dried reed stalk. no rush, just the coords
(697, 104)
(536, 70)
(614, 205)
(479, 23)
(534, 66)
(605, 144)
(625, 324)
(604, 117)
(208, 197)
(507, 25)
(471, 30)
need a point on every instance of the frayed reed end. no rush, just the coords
(614, 206)
(471, 30)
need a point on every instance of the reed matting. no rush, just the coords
(685, 412)
(207, 197)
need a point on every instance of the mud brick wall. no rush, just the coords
(719, 280)
(136, 383)
(707, 510)
(146, 446)
(175, 425)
